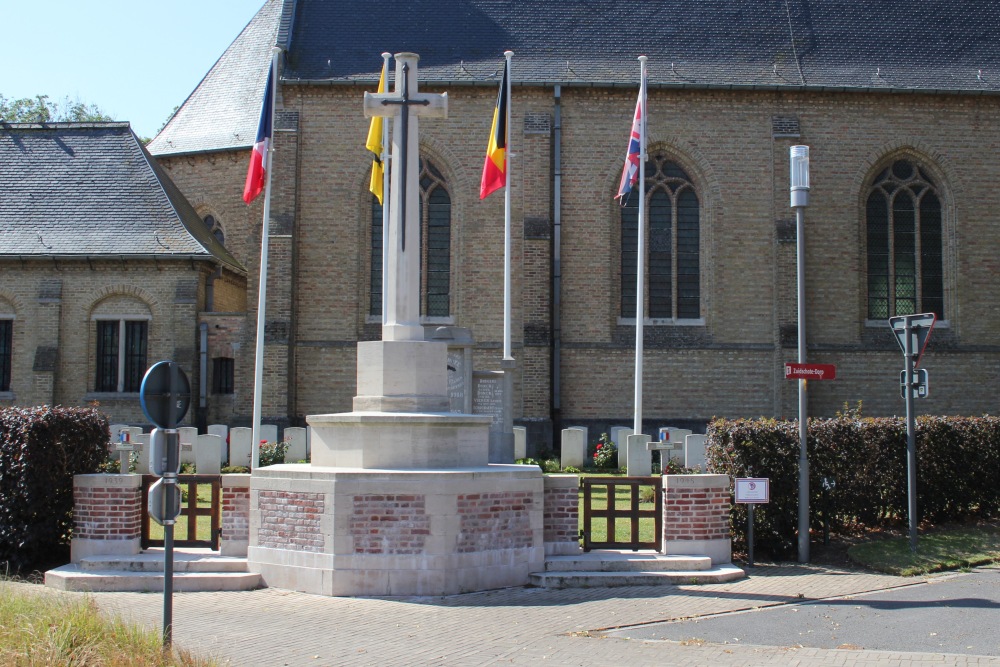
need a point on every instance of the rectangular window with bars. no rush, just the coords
(223, 374)
(6, 352)
(121, 355)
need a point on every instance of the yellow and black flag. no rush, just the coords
(495, 168)
(374, 144)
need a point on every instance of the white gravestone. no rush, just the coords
(574, 447)
(240, 440)
(188, 437)
(207, 456)
(520, 442)
(694, 451)
(639, 460)
(141, 444)
(618, 436)
(222, 431)
(586, 434)
(269, 432)
(296, 439)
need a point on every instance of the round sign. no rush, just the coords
(165, 394)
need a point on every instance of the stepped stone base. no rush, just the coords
(627, 568)
(343, 531)
(196, 570)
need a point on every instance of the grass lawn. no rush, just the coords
(622, 526)
(38, 628)
(938, 550)
(204, 527)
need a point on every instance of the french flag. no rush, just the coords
(257, 172)
(630, 173)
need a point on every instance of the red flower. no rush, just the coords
(599, 445)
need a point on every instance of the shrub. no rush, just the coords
(857, 471)
(41, 449)
(272, 453)
(605, 453)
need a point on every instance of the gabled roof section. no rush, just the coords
(912, 45)
(223, 111)
(91, 190)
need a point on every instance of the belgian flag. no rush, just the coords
(495, 168)
(374, 144)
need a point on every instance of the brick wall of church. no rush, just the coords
(729, 363)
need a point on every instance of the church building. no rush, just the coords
(897, 102)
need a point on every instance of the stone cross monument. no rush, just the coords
(405, 106)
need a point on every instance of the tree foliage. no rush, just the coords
(40, 109)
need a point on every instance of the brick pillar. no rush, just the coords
(696, 516)
(561, 516)
(235, 536)
(107, 515)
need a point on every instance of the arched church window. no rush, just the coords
(435, 246)
(904, 243)
(673, 242)
(215, 228)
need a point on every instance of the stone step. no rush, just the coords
(609, 560)
(596, 579)
(72, 578)
(152, 561)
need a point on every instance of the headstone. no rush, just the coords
(188, 436)
(639, 459)
(574, 447)
(141, 444)
(586, 434)
(240, 440)
(520, 442)
(460, 344)
(222, 431)
(694, 451)
(487, 399)
(618, 436)
(296, 438)
(133, 431)
(269, 432)
(207, 456)
(676, 439)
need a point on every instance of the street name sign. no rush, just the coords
(810, 371)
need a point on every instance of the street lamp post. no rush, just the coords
(800, 199)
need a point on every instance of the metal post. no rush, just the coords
(800, 198)
(169, 489)
(911, 435)
(750, 534)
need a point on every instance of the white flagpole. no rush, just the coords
(507, 356)
(385, 196)
(258, 370)
(640, 279)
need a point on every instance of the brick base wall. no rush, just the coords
(107, 513)
(235, 515)
(290, 520)
(696, 516)
(389, 524)
(498, 520)
(562, 515)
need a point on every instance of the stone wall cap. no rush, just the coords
(562, 481)
(695, 481)
(99, 480)
(236, 480)
(433, 418)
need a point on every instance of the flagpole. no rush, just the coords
(640, 314)
(507, 356)
(258, 371)
(385, 198)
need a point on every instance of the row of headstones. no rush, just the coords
(635, 452)
(209, 451)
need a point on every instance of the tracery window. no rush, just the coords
(904, 243)
(673, 257)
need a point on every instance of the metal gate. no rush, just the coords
(632, 513)
(190, 510)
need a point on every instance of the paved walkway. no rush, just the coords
(524, 626)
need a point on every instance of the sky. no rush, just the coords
(136, 59)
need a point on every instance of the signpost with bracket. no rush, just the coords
(912, 333)
(165, 395)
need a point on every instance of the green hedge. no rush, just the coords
(863, 462)
(40, 450)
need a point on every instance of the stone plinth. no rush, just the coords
(340, 531)
(389, 440)
(402, 376)
(235, 535)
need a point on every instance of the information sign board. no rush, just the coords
(753, 490)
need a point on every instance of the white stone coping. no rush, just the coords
(562, 481)
(695, 481)
(236, 480)
(107, 480)
(432, 418)
(296, 470)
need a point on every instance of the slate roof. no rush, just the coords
(223, 111)
(76, 190)
(911, 45)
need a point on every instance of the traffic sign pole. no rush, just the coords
(911, 434)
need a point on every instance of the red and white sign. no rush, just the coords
(810, 371)
(753, 490)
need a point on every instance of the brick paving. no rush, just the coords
(522, 626)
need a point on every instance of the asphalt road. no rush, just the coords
(957, 613)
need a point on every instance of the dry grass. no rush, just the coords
(49, 629)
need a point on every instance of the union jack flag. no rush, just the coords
(630, 173)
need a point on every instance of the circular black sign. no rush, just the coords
(165, 394)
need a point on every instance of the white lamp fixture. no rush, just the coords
(800, 176)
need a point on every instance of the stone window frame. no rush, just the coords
(658, 181)
(432, 180)
(928, 175)
(123, 364)
(216, 229)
